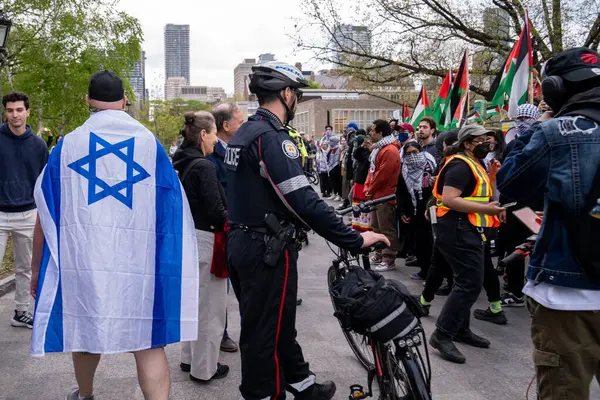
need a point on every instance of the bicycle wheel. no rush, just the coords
(402, 376)
(358, 343)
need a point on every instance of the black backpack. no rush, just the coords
(585, 232)
(369, 304)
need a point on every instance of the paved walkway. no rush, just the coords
(502, 372)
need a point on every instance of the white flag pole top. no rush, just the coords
(119, 269)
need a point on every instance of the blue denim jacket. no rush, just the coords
(558, 158)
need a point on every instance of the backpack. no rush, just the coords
(584, 234)
(369, 304)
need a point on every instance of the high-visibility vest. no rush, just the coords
(299, 143)
(481, 194)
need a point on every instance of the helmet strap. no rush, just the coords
(288, 112)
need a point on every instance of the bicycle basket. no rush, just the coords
(371, 305)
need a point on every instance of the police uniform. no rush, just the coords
(265, 176)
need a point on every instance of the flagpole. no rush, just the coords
(530, 88)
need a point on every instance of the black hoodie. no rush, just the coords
(203, 190)
(22, 159)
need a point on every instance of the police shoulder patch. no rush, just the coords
(290, 149)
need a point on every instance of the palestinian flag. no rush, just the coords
(422, 108)
(458, 119)
(459, 93)
(439, 108)
(405, 113)
(514, 83)
(490, 112)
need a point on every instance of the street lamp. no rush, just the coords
(5, 25)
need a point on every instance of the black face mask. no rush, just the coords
(481, 150)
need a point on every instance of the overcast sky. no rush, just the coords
(222, 34)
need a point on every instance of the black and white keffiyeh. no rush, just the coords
(414, 167)
(378, 146)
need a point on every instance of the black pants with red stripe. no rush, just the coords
(272, 359)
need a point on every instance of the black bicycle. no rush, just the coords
(401, 370)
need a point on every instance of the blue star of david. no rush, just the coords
(135, 172)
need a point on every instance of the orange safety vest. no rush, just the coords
(481, 194)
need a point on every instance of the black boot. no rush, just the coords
(443, 343)
(318, 391)
(472, 339)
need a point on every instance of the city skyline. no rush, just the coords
(215, 47)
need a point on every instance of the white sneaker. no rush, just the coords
(337, 198)
(384, 266)
(331, 197)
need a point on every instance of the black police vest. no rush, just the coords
(250, 195)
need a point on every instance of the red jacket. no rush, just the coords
(383, 181)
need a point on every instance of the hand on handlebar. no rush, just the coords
(370, 238)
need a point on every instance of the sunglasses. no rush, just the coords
(298, 93)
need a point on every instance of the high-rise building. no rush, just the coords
(265, 58)
(173, 87)
(351, 38)
(137, 78)
(177, 52)
(241, 78)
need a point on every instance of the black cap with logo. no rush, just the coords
(106, 86)
(574, 65)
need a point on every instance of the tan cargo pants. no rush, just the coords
(566, 351)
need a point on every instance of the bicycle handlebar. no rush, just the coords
(373, 247)
(366, 206)
(520, 252)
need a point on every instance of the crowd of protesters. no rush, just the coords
(449, 218)
(420, 166)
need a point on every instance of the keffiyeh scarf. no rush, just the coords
(413, 169)
(378, 146)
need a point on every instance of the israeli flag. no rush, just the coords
(119, 270)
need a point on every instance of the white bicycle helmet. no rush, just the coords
(275, 76)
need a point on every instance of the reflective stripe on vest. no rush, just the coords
(481, 194)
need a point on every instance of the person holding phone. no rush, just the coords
(464, 191)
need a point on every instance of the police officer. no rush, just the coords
(265, 179)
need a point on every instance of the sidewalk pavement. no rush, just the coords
(502, 372)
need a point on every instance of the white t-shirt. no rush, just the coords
(563, 298)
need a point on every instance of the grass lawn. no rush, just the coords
(6, 268)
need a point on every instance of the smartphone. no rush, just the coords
(507, 205)
(529, 218)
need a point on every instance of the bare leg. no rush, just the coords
(85, 368)
(153, 373)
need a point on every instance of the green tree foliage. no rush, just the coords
(165, 118)
(56, 45)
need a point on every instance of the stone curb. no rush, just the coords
(7, 285)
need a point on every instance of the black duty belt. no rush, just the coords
(254, 228)
(246, 228)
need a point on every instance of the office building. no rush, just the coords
(173, 87)
(205, 94)
(137, 79)
(241, 79)
(265, 58)
(177, 51)
(350, 38)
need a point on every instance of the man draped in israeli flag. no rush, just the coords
(115, 263)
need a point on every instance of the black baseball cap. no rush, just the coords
(106, 86)
(574, 65)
